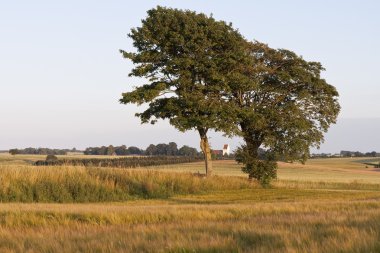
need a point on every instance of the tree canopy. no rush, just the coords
(285, 106)
(186, 59)
(202, 74)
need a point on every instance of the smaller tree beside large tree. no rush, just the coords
(284, 106)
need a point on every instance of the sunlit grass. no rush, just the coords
(317, 207)
(254, 220)
(80, 184)
(345, 170)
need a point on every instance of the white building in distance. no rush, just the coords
(226, 149)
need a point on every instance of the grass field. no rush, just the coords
(315, 170)
(327, 205)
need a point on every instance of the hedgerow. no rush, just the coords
(125, 162)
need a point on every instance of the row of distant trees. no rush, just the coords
(162, 149)
(41, 151)
(344, 153)
(111, 150)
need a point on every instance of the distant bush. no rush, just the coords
(78, 184)
(14, 151)
(125, 162)
(51, 158)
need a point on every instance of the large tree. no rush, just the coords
(188, 59)
(284, 106)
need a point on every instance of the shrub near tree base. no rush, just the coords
(263, 170)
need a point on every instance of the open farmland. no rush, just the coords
(330, 205)
(315, 170)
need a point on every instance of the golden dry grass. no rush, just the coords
(345, 170)
(6, 158)
(331, 170)
(235, 221)
(323, 206)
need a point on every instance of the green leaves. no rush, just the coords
(286, 107)
(202, 74)
(145, 93)
(188, 59)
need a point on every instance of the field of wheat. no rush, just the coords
(330, 205)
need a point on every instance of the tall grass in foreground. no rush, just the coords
(327, 224)
(79, 184)
(232, 214)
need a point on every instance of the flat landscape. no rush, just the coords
(180, 126)
(326, 205)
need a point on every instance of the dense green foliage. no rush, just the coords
(204, 75)
(188, 151)
(125, 162)
(187, 59)
(171, 150)
(14, 151)
(261, 167)
(79, 184)
(161, 149)
(287, 106)
(111, 150)
(283, 105)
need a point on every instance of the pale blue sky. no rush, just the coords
(61, 74)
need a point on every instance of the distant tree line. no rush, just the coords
(111, 150)
(162, 149)
(344, 153)
(171, 149)
(41, 151)
(324, 155)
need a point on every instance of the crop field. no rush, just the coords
(326, 205)
(327, 170)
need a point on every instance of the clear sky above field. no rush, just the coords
(62, 74)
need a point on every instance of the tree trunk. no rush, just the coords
(253, 143)
(252, 150)
(205, 147)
